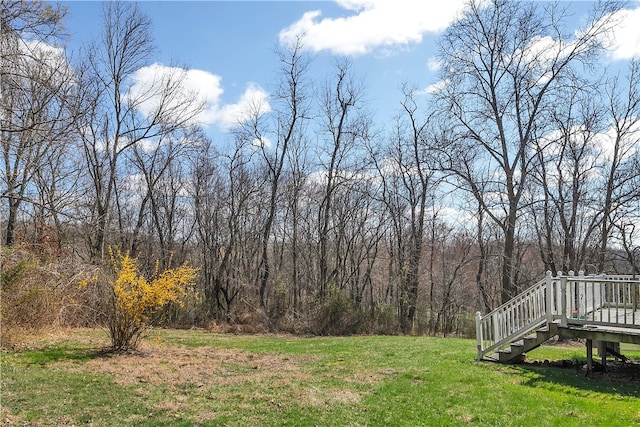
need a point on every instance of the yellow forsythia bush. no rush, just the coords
(136, 298)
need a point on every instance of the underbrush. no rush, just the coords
(36, 294)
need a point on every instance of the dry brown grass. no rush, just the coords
(176, 368)
(176, 365)
(31, 339)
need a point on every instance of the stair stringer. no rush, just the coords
(517, 349)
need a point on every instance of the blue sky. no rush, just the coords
(230, 44)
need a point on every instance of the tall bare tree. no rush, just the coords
(298, 159)
(345, 129)
(621, 156)
(502, 64)
(118, 117)
(409, 185)
(227, 207)
(162, 172)
(566, 175)
(275, 139)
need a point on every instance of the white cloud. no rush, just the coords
(149, 145)
(263, 142)
(599, 153)
(625, 37)
(48, 59)
(543, 49)
(39, 48)
(375, 24)
(627, 147)
(434, 65)
(201, 91)
(254, 100)
(435, 88)
(454, 216)
(158, 89)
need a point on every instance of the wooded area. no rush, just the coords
(312, 217)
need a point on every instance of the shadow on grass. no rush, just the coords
(622, 380)
(53, 354)
(61, 353)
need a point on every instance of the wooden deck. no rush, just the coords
(595, 308)
(616, 316)
(602, 333)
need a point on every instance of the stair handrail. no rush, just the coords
(522, 314)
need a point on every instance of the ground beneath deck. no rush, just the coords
(616, 371)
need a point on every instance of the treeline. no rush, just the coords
(311, 217)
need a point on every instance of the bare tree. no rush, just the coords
(298, 159)
(35, 82)
(450, 253)
(274, 141)
(227, 207)
(162, 171)
(565, 173)
(210, 226)
(118, 117)
(621, 156)
(502, 64)
(409, 185)
(587, 175)
(628, 237)
(345, 127)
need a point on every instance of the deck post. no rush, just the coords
(563, 301)
(549, 297)
(479, 337)
(589, 357)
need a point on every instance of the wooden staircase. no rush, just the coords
(515, 327)
(517, 349)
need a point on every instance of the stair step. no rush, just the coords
(504, 355)
(507, 355)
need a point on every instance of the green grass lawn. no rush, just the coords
(184, 378)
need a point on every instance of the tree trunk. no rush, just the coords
(12, 218)
(508, 289)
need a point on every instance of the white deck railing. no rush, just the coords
(596, 300)
(601, 300)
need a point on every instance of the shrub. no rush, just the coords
(338, 314)
(12, 274)
(385, 320)
(134, 300)
(35, 294)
